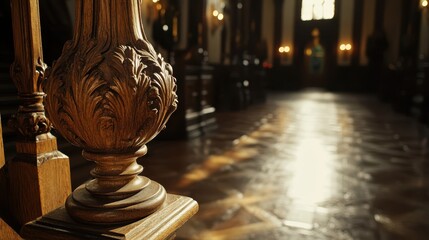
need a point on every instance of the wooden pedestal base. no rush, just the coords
(83, 207)
(39, 178)
(161, 224)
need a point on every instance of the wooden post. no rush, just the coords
(110, 93)
(39, 175)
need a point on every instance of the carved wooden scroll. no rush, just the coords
(110, 93)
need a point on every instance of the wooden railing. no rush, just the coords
(107, 73)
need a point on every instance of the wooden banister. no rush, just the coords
(39, 175)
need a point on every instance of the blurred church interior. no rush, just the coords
(297, 119)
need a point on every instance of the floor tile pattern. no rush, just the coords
(308, 165)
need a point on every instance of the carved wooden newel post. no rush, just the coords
(110, 93)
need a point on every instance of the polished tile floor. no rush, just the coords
(307, 165)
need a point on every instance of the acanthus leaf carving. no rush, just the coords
(30, 125)
(125, 95)
(30, 120)
(40, 68)
(110, 93)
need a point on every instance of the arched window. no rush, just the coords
(317, 9)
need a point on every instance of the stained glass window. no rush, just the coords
(317, 9)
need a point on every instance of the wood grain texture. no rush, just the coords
(110, 93)
(6, 232)
(160, 225)
(39, 180)
(28, 70)
(39, 175)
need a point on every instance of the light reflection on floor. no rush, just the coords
(313, 165)
(309, 165)
(304, 170)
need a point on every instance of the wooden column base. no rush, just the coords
(161, 224)
(39, 178)
(83, 207)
